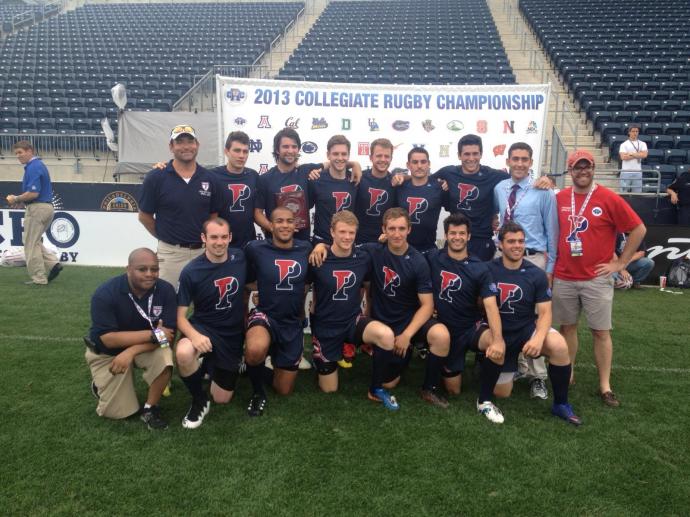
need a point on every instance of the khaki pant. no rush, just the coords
(39, 261)
(172, 259)
(116, 395)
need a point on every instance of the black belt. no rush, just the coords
(195, 246)
(531, 251)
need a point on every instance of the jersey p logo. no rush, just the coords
(227, 288)
(578, 224)
(377, 197)
(342, 200)
(449, 282)
(287, 270)
(466, 193)
(239, 192)
(343, 280)
(416, 206)
(507, 295)
(391, 280)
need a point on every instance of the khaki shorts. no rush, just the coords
(593, 297)
(117, 397)
(172, 259)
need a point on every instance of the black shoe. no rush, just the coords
(94, 390)
(197, 411)
(435, 398)
(152, 418)
(54, 272)
(257, 405)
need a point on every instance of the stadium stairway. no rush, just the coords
(274, 60)
(531, 66)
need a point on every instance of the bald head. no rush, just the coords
(140, 253)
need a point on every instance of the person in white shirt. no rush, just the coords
(631, 153)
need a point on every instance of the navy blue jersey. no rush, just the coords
(180, 208)
(217, 292)
(396, 282)
(112, 310)
(519, 290)
(337, 297)
(374, 197)
(280, 275)
(330, 195)
(239, 193)
(458, 286)
(424, 204)
(274, 182)
(473, 195)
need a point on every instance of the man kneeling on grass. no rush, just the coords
(133, 321)
(522, 287)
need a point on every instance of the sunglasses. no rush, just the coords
(182, 129)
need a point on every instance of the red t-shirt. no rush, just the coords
(606, 215)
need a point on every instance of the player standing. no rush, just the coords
(280, 266)
(214, 283)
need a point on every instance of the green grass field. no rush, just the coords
(316, 454)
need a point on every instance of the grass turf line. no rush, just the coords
(316, 454)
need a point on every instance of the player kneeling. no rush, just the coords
(336, 315)
(215, 284)
(522, 287)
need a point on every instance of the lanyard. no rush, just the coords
(147, 317)
(584, 205)
(636, 147)
(509, 210)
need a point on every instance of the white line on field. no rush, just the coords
(78, 341)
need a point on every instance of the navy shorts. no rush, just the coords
(460, 343)
(514, 343)
(287, 341)
(227, 349)
(330, 348)
(397, 364)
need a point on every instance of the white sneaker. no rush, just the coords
(490, 411)
(195, 416)
(304, 364)
(538, 389)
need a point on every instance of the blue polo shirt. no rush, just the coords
(37, 180)
(180, 208)
(239, 193)
(112, 310)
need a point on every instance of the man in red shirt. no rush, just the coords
(589, 217)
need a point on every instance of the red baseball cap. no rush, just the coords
(578, 155)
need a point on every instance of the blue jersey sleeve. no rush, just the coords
(184, 289)
(542, 291)
(149, 192)
(261, 193)
(423, 275)
(487, 286)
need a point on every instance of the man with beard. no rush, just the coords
(590, 217)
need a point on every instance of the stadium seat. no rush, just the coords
(682, 141)
(654, 157)
(663, 142)
(675, 156)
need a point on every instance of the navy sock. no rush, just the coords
(195, 385)
(379, 367)
(432, 372)
(560, 381)
(488, 378)
(256, 377)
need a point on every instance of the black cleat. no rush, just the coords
(257, 405)
(152, 418)
(54, 272)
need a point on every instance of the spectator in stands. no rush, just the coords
(133, 321)
(631, 153)
(679, 193)
(590, 216)
(535, 210)
(638, 268)
(37, 196)
(181, 197)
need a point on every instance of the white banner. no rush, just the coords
(432, 116)
(83, 238)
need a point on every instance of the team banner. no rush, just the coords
(430, 116)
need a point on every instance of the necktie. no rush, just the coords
(511, 203)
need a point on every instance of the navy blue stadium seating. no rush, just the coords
(446, 41)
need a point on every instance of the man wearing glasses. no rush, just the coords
(590, 216)
(133, 321)
(176, 201)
